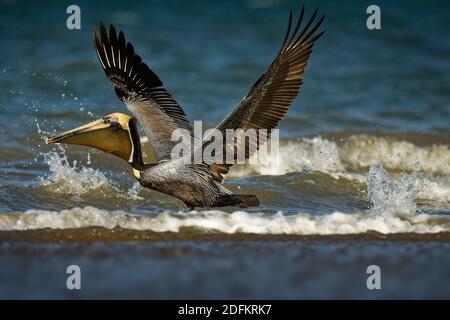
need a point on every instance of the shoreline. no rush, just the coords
(115, 235)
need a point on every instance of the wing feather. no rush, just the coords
(269, 98)
(141, 90)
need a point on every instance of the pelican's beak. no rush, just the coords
(110, 137)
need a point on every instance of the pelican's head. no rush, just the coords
(116, 133)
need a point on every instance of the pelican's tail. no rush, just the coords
(240, 200)
(248, 200)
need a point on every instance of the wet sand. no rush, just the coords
(98, 234)
(217, 266)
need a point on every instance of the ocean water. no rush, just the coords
(363, 175)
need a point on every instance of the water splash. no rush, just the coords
(389, 197)
(134, 191)
(78, 180)
(69, 178)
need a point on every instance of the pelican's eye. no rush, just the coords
(115, 125)
(113, 122)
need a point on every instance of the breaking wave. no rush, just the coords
(393, 211)
(363, 151)
(351, 157)
(355, 153)
(219, 221)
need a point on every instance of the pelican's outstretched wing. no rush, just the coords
(140, 90)
(269, 98)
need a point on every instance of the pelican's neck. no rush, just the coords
(136, 157)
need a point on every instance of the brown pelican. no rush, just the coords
(141, 90)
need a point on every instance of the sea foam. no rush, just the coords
(393, 211)
(356, 153)
(352, 157)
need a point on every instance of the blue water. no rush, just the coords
(208, 56)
